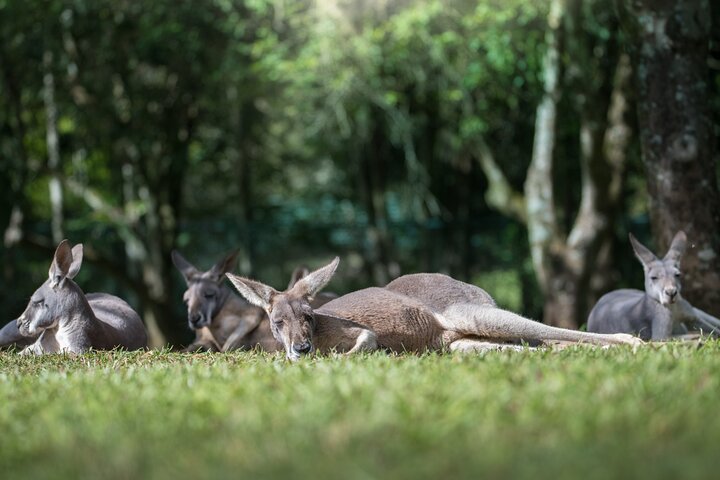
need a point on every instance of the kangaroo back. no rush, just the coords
(122, 325)
(439, 291)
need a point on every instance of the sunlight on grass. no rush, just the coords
(580, 411)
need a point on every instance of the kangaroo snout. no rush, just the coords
(302, 348)
(671, 294)
(197, 320)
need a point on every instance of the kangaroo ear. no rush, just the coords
(61, 263)
(187, 269)
(642, 252)
(677, 247)
(312, 283)
(254, 292)
(77, 258)
(297, 274)
(224, 266)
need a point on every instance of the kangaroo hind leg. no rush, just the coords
(495, 323)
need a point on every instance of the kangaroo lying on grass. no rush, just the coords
(416, 313)
(222, 320)
(63, 319)
(656, 312)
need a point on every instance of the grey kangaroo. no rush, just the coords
(222, 320)
(655, 313)
(63, 319)
(413, 313)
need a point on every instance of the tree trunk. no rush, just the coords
(539, 198)
(53, 149)
(616, 143)
(669, 45)
(566, 264)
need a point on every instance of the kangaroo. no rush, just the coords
(64, 319)
(222, 320)
(416, 313)
(660, 309)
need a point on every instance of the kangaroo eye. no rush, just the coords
(653, 277)
(677, 275)
(37, 303)
(209, 294)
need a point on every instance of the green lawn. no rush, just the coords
(576, 413)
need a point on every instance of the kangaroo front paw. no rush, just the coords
(31, 350)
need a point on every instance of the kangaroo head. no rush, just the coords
(205, 294)
(55, 296)
(662, 276)
(292, 320)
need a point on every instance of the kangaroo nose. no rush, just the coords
(195, 318)
(302, 348)
(671, 292)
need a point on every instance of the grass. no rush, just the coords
(579, 412)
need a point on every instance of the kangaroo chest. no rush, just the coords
(63, 339)
(49, 343)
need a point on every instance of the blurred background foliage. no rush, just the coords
(293, 131)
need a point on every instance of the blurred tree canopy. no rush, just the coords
(399, 135)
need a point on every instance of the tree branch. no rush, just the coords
(116, 216)
(500, 195)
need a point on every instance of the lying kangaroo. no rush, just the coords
(414, 313)
(223, 321)
(64, 319)
(656, 312)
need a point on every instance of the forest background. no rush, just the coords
(511, 144)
